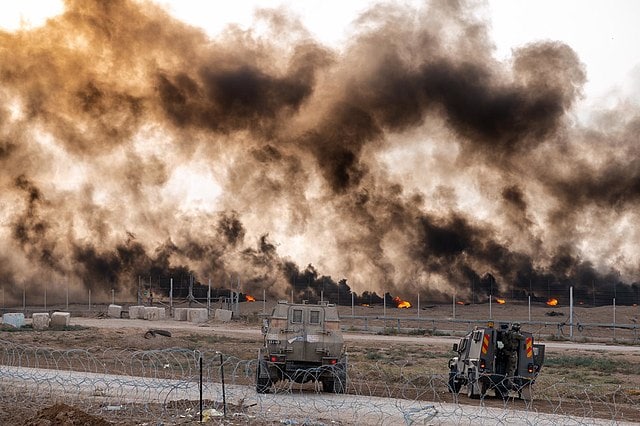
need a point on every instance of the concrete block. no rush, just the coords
(114, 311)
(180, 314)
(197, 315)
(15, 320)
(154, 313)
(136, 312)
(40, 321)
(150, 313)
(223, 315)
(60, 319)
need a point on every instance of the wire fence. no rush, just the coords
(167, 386)
(556, 330)
(610, 323)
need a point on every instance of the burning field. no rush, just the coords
(411, 161)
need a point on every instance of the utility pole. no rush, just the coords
(571, 312)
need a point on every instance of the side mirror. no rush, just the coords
(265, 326)
(455, 347)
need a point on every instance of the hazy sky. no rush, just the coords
(603, 33)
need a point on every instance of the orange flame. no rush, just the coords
(552, 302)
(249, 298)
(401, 304)
(500, 301)
(459, 302)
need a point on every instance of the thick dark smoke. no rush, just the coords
(412, 161)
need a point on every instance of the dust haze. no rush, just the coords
(409, 161)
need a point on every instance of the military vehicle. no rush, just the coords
(302, 342)
(500, 359)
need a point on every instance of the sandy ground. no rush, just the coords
(94, 329)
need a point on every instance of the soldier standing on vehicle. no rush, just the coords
(511, 340)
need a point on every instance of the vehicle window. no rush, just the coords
(314, 317)
(297, 316)
(463, 345)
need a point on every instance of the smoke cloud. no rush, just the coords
(411, 161)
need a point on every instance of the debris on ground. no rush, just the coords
(210, 413)
(63, 414)
(153, 332)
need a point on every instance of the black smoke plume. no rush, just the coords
(410, 161)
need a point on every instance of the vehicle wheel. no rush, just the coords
(483, 386)
(262, 383)
(472, 386)
(477, 389)
(526, 393)
(471, 390)
(454, 385)
(502, 391)
(336, 384)
(340, 383)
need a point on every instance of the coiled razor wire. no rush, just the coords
(163, 385)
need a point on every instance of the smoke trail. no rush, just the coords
(132, 144)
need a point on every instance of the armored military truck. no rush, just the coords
(501, 359)
(302, 342)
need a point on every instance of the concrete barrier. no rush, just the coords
(114, 311)
(136, 312)
(197, 315)
(40, 320)
(15, 320)
(180, 314)
(60, 319)
(154, 313)
(223, 315)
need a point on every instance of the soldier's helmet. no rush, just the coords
(515, 326)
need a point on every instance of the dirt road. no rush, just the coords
(239, 330)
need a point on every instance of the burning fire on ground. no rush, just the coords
(552, 302)
(249, 298)
(460, 302)
(500, 301)
(401, 304)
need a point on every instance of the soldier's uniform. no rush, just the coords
(511, 340)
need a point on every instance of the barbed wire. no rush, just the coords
(164, 385)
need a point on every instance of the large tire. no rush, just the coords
(483, 386)
(471, 390)
(477, 388)
(526, 392)
(340, 382)
(502, 391)
(337, 383)
(472, 385)
(263, 384)
(454, 385)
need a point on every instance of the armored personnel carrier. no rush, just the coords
(500, 359)
(302, 342)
